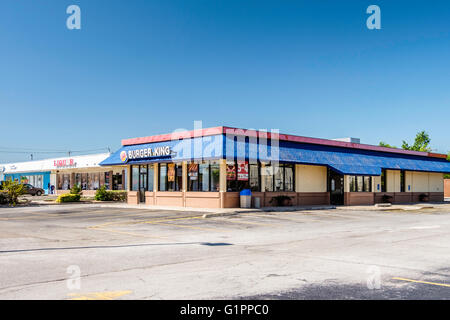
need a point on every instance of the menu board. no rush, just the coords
(242, 170)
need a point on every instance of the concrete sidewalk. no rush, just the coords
(403, 207)
(211, 212)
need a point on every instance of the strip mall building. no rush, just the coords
(208, 168)
(64, 173)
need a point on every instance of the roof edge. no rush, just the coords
(284, 137)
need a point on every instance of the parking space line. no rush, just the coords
(244, 222)
(189, 227)
(280, 218)
(118, 223)
(128, 233)
(424, 282)
(108, 295)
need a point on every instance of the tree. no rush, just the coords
(421, 143)
(387, 145)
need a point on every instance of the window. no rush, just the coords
(279, 178)
(289, 178)
(141, 178)
(174, 177)
(84, 179)
(254, 177)
(193, 177)
(352, 183)
(383, 181)
(367, 184)
(162, 177)
(117, 180)
(105, 180)
(78, 179)
(65, 182)
(204, 176)
(243, 175)
(95, 181)
(151, 174)
(215, 176)
(135, 178)
(360, 183)
(402, 181)
(267, 174)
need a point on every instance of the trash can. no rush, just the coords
(246, 198)
(257, 202)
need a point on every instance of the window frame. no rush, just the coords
(356, 184)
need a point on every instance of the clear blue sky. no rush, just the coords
(144, 67)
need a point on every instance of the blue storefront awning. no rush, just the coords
(350, 161)
(343, 160)
(171, 151)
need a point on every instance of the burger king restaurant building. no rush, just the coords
(209, 167)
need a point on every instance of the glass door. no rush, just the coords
(336, 187)
(143, 185)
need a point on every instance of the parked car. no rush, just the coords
(29, 189)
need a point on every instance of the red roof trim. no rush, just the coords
(283, 137)
(173, 136)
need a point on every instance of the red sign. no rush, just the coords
(231, 172)
(242, 171)
(64, 163)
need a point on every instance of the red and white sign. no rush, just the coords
(64, 163)
(242, 170)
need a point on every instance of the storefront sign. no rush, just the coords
(64, 163)
(193, 171)
(171, 172)
(242, 171)
(145, 153)
(231, 172)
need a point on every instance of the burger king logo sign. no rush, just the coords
(123, 156)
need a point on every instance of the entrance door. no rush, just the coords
(143, 186)
(336, 187)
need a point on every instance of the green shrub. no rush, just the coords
(4, 198)
(13, 190)
(76, 189)
(101, 194)
(118, 195)
(105, 195)
(281, 201)
(68, 197)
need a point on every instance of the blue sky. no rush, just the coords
(144, 67)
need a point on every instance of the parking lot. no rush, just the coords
(125, 253)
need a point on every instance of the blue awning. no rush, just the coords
(343, 160)
(210, 147)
